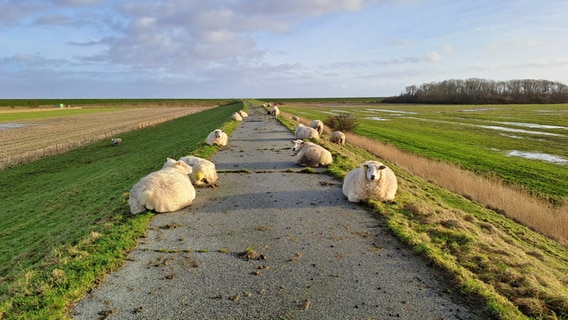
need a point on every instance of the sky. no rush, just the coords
(272, 48)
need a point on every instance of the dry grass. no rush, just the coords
(514, 202)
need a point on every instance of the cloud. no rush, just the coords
(432, 57)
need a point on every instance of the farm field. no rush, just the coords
(524, 145)
(29, 134)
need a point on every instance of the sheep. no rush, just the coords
(237, 117)
(204, 172)
(318, 125)
(337, 137)
(243, 114)
(166, 190)
(218, 137)
(295, 118)
(274, 111)
(310, 154)
(303, 132)
(370, 181)
(116, 141)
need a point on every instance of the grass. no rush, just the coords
(18, 116)
(459, 135)
(66, 221)
(517, 273)
(34, 103)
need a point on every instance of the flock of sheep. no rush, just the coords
(173, 187)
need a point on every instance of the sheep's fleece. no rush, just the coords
(370, 181)
(310, 154)
(204, 172)
(218, 137)
(166, 190)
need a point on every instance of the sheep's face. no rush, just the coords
(218, 133)
(297, 145)
(373, 171)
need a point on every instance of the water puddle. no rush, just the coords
(391, 111)
(537, 156)
(520, 131)
(376, 118)
(11, 125)
(530, 125)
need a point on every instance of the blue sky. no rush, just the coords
(272, 48)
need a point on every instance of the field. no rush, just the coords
(29, 134)
(66, 223)
(524, 145)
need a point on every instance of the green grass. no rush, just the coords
(17, 116)
(65, 219)
(455, 134)
(13, 103)
(517, 273)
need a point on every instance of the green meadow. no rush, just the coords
(65, 219)
(525, 145)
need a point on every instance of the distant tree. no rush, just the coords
(481, 91)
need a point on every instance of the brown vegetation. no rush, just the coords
(512, 201)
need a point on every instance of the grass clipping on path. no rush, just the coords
(519, 273)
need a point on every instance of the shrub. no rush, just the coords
(343, 122)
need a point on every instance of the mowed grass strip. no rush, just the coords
(66, 221)
(516, 272)
(50, 113)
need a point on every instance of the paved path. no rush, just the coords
(318, 256)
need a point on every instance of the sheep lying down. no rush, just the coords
(310, 154)
(370, 181)
(166, 190)
(204, 172)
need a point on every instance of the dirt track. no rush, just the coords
(316, 256)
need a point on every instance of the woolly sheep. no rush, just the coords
(204, 172)
(370, 181)
(318, 125)
(116, 141)
(243, 113)
(275, 111)
(237, 117)
(303, 132)
(296, 118)
(218, 137)
(166, 190)
(310, 154)
(337, 137)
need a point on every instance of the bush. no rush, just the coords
(343, 122)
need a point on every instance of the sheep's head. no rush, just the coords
(297, 145)
(183, 167)
(218, 133)
(169, 163)
(373, 170)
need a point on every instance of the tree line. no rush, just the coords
(481, 91)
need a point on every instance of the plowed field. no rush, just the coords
(29, 140)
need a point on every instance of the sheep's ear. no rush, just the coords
(382, 167)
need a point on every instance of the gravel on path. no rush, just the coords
(271, 242)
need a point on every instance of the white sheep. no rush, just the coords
(337, 137)
(303, 132)
(204, 172)
(310, 154)
(237, 117)
(318, 125)
(218, 137)
(116, 141)
(275, 111)
(243, 114)
(296, 118)
(370, 181)
(166, 190)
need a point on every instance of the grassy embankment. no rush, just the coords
(65, 220)
(35, 103)
(519, 273)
